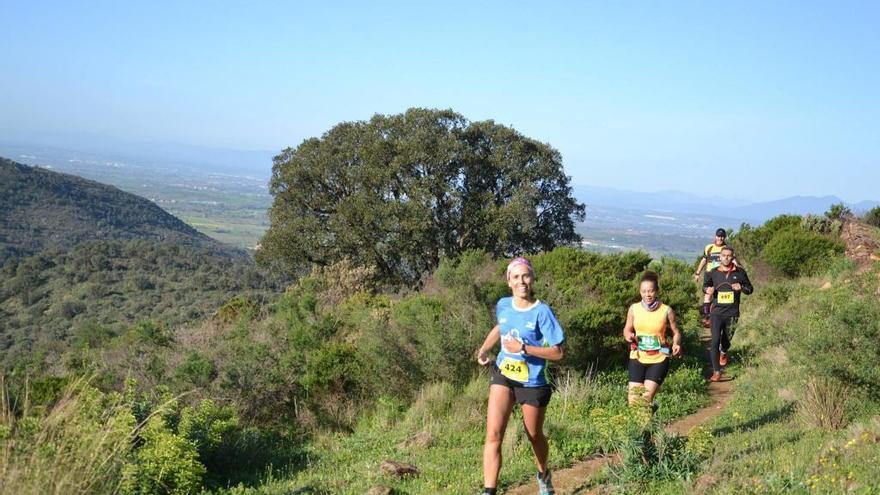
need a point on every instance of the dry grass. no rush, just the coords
(77, 446)
(776, 355)
(823, 403)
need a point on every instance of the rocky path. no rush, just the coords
(861, 241)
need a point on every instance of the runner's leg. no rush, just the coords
(633, 391)
(533, 420)
(650, 390)
(715, 323)
(500, 406)
(726, 327)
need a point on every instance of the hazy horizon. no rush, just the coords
(265, 171)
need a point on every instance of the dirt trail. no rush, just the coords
(719, 394)
(575, 479)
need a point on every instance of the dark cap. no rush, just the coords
(721, 233)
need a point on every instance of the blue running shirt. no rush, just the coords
(536, 326)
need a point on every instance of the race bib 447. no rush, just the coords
(515, 369)
(725, 298)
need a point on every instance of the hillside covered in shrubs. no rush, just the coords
(313, 388)
(82, 261)
(42, 210)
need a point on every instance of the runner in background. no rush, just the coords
(724, 285)
(711, 259)
(645, 330)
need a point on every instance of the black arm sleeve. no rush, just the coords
(746, 284)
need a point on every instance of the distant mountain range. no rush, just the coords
(737, 210)
(41, 209)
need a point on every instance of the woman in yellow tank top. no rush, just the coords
(645, 330)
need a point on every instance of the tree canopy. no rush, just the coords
(397, 193)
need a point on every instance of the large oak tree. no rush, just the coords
(398, 192)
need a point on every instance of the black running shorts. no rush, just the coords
(533, 396)
(640, 372)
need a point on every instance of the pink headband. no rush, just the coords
(520, 261)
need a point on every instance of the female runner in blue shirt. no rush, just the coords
(529, 335)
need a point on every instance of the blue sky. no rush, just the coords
(763, 99)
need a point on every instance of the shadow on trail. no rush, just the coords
(780, 414)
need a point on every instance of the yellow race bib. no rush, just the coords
(515, 369)
(725, 298)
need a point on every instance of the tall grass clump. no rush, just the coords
(823, 403)
(649, 459)
(78, 445)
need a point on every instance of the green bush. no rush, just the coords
(335, 380)
(207, 425)
(196, 369)
(750, 241)
(261, 379)
(165, 463)
(822, 224)
(235, 308)
(872, 217)
(150, 332)
(473, 277)
(838, 211)
(797, 252)
(91, 334)
(228, 452)
(428, 324)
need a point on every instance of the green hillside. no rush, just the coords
(78, 257)
(41, 210)
(101, 287)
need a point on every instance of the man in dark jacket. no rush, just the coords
(724, 284)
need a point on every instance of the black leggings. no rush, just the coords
(723, 328)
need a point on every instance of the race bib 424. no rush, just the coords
(515, 369)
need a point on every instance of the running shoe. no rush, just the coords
(545, 485)
(722, 359)
(716, 376)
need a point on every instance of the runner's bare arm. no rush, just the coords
(746, 284)
(676, 334)
(491, 339)
(700, 268)
(629, 333)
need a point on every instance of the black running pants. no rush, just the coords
(723, 328)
